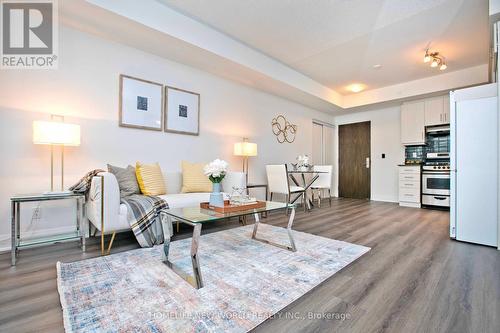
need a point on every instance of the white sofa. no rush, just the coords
(107, 203)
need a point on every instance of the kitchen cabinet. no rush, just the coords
(437, 111)
(416, 115)
(413, 123)
(409, 186)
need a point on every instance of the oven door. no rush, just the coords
(437, 183)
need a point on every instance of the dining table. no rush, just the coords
(305, 183)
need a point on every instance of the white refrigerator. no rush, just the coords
(474, 153)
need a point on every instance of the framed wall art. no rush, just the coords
(141, 103)
(182, 111)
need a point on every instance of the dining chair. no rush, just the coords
(324, 182)
(277, 182)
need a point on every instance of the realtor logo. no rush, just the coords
(29, 34)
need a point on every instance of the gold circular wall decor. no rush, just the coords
(284, 131)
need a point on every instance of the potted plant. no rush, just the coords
(216, 171)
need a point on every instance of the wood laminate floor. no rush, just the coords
(415, 279)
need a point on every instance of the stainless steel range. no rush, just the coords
(436, 168)
(436, 181)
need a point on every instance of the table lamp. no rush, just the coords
(56, 133)
(245, 149)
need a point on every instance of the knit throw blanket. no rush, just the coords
(83, 185)
(143, 212)
(143, 215)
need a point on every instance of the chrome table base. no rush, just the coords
(306, 185)
(196, 279)
(288, 229)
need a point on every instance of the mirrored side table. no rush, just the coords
(16, 239)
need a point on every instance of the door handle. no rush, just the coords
(440, 198)
(368, 163)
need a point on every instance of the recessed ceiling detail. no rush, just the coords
(337, 42)
(328, 58)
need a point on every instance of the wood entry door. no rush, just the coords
(354, 160)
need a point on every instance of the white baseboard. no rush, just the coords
(385, 200)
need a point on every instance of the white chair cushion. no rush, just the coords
(296, 189)
(277, 178)
(324, 180)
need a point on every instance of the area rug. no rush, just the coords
(246, 282)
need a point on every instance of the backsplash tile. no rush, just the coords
(414, 154)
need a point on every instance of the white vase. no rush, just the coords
(216, 197)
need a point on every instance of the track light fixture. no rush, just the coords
(435, 59)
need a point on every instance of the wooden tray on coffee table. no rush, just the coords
(228, 208)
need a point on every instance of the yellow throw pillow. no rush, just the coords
(150, 179)
(193, 179)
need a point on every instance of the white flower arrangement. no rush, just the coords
(302, 160)
(216, 170)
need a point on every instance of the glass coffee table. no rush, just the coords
(196, 217)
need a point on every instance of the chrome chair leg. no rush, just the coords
(304, 201)
(287, 200)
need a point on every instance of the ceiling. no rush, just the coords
(338, 42)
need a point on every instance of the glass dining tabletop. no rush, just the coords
(201, 215)
(306, 171)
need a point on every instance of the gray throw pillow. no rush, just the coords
(127, 181)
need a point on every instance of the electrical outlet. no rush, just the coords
(37, 213)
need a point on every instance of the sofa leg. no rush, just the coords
(102, 243)
(178, 227)
(111, 242)
(108, 250)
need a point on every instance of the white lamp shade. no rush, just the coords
(245, 149)
(56, 133)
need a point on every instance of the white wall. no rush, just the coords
(385, 138)
(85, 90)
